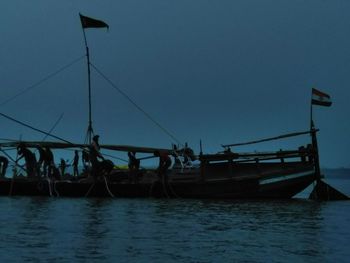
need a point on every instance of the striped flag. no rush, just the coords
(320, 98)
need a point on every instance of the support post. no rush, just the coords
(315, 152)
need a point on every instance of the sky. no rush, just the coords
(217, 71)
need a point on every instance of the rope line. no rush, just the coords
(54, 126)
(108, 190)
(54, 187)
(33, 128)
(42, 81)
(136, 105)
(88, 192)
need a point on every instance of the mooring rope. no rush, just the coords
(88, 192)
(172, 190)
(11, 186)
(109, 191)
(54, 188)
(49, 184)
(164, 187)
(150, 192)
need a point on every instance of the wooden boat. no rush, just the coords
(226, 174)
(280, 174)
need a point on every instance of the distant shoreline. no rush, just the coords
(339, 173)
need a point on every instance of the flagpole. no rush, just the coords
(311, 113)
(90, 129)
(314, 144)
(312, 125)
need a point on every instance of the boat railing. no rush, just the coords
(284, 136)
(304, 154)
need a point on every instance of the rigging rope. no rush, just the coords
(53, 127)
(41, 81)
(135, 104)
(49, 134)
(33, 128)
(8, 156)
(8, 140)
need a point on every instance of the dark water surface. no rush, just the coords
(151, 230)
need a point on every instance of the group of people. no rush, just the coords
(45, 166)
(163, 165)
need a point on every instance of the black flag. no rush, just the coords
(87, 22)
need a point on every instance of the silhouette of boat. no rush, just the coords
(226, 174)
(280, 174)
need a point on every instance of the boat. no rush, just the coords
(226, 174)
(223, 175)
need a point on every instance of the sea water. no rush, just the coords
(37, 229)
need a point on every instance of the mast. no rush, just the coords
(90, 130)
(87, 22)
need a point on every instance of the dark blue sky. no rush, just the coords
(220, 71)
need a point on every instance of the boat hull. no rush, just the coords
(279, 183)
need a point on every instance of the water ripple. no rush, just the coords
(151, 230)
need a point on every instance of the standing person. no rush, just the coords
(96, 146)
(63, 167)
(29, 159)
(3, 164)
(164, 164)
(94, 155)
(85, 159)
(134, 165)
(49, 163)
(75, 163)
(42, 155)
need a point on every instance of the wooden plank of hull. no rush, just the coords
(286, 188)
(99, 189)
(244, 171)
(219, 189)
(265, 180)
(213, 189)
(24, 187)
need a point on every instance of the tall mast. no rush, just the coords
(90, 130)
(87, 22)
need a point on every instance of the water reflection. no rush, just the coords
(95, 223)
(127, 230)
(245, 228)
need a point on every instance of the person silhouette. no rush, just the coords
(29, 158)
(75, 163)
(3, 164)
